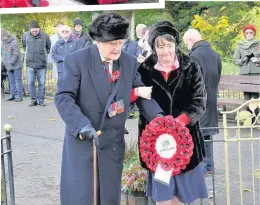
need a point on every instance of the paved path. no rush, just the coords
(37, 139)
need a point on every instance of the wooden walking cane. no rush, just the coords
(95, 170)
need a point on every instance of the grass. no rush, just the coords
(229, 69)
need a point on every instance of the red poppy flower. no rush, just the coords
(115, 75)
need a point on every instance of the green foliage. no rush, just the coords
(133, 176)
(220, 23)
(229, 69)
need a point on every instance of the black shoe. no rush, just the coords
(18, 99)
(33, 103)
(10, 98)
(42, 104)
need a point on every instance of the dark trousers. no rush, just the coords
(208, 161)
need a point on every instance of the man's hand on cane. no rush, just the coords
(89, 133)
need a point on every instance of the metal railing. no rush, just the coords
(10, 179)
(238, 146)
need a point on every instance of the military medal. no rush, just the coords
(116, 108)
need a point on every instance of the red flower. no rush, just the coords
(21, 3)
(115, 75)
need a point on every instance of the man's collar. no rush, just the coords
(103, 59)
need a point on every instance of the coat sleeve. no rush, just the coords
(24, 41)
(65, 97)
(15, 53)
(197, 106)
(257, 51)
(237, 56)
(48, 43)
(148, 108)
(55, 56)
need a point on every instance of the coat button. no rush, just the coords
(114, 149)
(100, 110)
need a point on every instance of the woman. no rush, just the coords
(247, 56)
(179, 89)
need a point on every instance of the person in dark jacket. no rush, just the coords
(11, 58)
(132, 47)
(179, 89)
(210, 64)
(36, 45)
(83, 38)
(63, 47)
(85, 97)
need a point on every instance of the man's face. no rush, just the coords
(139, 32)
(65, 32)
(78, 28)
(35, 31)
(110, 50)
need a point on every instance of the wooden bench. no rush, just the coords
(239, 83)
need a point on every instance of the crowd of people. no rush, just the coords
(152, 72)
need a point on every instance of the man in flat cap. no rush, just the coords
(93, 93)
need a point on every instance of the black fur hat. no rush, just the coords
(108, 27)
(164, 27)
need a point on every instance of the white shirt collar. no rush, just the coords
(103, 59)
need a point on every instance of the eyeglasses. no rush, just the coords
(65, 31)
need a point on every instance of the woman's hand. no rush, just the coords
(144, 92)
(140, 59)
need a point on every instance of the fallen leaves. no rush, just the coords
(10, 117)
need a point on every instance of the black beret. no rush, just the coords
(162, 28)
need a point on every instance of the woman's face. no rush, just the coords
(249, 34)
(165, 50)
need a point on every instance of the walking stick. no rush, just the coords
(95, 170)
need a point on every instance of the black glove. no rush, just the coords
(88, 132)
(36, 3)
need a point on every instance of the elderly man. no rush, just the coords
(93, 93)
(63, 47)
(54, 38)
(210, 63)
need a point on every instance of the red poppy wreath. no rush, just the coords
(167, 142)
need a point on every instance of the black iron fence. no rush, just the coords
(7, 180)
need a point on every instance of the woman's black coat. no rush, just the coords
(184, 92)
